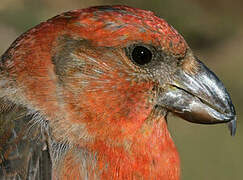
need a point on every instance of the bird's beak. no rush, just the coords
(199, 98)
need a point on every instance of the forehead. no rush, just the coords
(122, 25)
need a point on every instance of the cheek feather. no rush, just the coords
(117, 109)
(104, 91)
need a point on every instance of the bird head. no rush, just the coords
(102, 72)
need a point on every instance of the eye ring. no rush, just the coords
(141, 54)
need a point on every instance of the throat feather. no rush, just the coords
(149, 155)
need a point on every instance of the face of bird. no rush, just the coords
(112, 67)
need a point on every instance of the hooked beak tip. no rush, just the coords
(232, 126)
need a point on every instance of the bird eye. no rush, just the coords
(141, 55)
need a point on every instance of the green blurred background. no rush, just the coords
(213, 29)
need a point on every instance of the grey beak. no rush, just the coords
(199, 98)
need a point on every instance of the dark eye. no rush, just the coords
(141, 55)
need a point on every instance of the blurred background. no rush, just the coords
(213, 29)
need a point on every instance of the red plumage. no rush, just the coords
(91, 109)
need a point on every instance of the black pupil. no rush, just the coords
(141, 55)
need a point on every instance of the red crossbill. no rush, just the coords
(85, 95)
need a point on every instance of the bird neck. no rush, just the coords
(149, 154)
